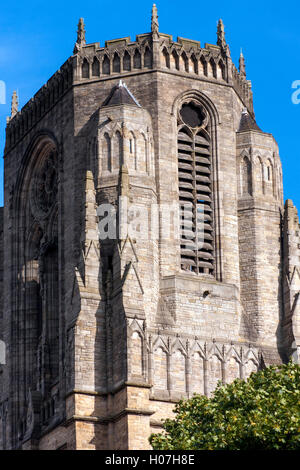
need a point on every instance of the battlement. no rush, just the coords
(147, 254)
(120, 57)
(21, 122)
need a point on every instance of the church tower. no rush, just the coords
(146, 249)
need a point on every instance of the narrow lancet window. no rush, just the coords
(85, 69)
(195, 190)
(246, 177)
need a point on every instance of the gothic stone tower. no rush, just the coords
(104, 336)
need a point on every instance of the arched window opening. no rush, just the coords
(166, 58)
(107, 153)
(116, 64)
(246, 175)
(270, 178)
(133, 151)
(259, 175)
(221, 71)
(148, 59)
(203, 65)
(184, 62)
(85, 69)
(126, 62)
(106, 65)
(174, 60)
(137, 61)
(39, 264)
(194, 64)
(117, 151)
(96, 67)
(212, 70)
(195, 190)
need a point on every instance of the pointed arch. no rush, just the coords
(203, 66)
(184, 62)
(117, 148)
(174, 60)
(126, 61)
(259, 175)
(249, 367)
(221, 70)
(178, 372)
(116, 63)
(270, 179)
(36, 202)
(212, 69)
(194, 61)
(165, 58)
(137, 60)
(160, 376)
(106, 65)
(246, 177)
(214, 373)
(194, 179)
(197, 175)
(106, 153)
(85, 69)
(136, 349)
(96, 67)
(197, 377)
(144, 156)
(133, 160)
(148, 58)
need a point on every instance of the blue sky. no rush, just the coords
(37, 37)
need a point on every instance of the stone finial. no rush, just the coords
(14, 104)
(81, 32)
(242, 66)
(80, 36)
(154, 22)
(221, 41)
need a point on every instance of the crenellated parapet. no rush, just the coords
(117, 57)
(187, 56)
(123, 57)
(23, 121)
(148, 253)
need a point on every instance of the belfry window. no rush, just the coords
(195, 190)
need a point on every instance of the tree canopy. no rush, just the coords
(262, 413)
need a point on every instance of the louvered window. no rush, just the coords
(195, 191)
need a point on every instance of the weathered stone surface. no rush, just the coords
(104, 337)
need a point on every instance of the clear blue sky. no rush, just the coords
(37, 37)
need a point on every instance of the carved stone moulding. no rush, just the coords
(44, 186)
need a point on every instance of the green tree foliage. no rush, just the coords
(258, 414)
